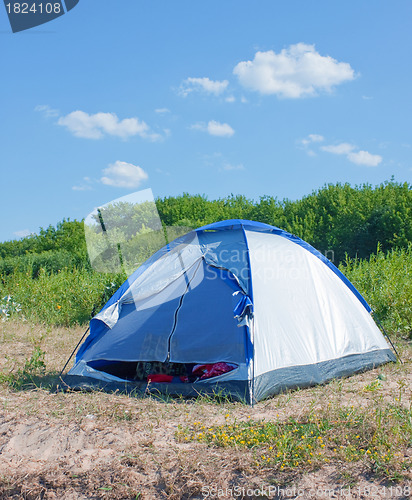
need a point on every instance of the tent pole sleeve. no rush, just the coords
(188, 281)
(251, 330)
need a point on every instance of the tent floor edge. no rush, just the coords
(234, 390)
(283, 379)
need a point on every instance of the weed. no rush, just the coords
(67, 297)
(8, 307)
(33, 367)
(36, 363)
(375, 385)
(375, 436)
(385, 281)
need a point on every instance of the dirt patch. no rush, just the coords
(97, 445)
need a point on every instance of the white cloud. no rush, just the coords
(23, 233)
(358, 157)
(210, 160)
(229, 166)
(316, 137)
(85, 186)
(214, 128)
(311, 138)
(124, 175)
(206, 85)
(198, 126)
(162, 172)
(308, 141)
(297, 71)
(340, 149)
(220, 129)
(162, 110)
(231, 98)
(365, 158)
(95, 126)
(47, 111)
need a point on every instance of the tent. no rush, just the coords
(242, 295)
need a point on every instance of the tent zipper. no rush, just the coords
(178, 309)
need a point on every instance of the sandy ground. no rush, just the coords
(97, 445)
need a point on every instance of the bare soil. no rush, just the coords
(98, 445)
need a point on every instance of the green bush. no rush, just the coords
(337, 217)
(50, 261)
(385, 280)
(341, 218)
(50, 275)
(70, 296)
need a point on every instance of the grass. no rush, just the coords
(29, 374)
(67, 297)
(71, 295)
(377, 436)
(385, 280)
(354, 431)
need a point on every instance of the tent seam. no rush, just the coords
(251, 330)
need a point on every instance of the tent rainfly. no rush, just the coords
(238, 308)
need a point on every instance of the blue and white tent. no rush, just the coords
(237, 292)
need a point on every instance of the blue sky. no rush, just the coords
(256, 98)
